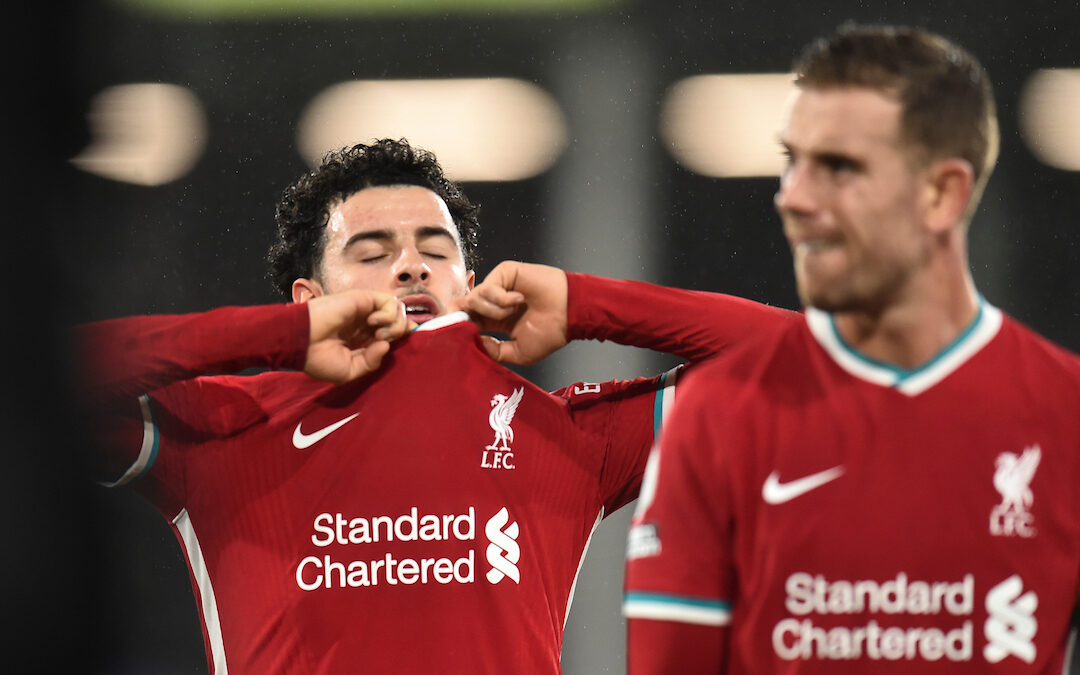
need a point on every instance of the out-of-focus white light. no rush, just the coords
(1050, 117)
(492, 129)
(148, 134)
(727, 125)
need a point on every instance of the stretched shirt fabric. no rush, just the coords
(834, 514)
(430, 517)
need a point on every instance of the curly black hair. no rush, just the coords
(305, 205)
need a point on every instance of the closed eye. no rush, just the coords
(839, 163)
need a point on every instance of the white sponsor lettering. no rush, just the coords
(643, 542)
(330, 571)
(815, 594)
(503, 552)
(1011, 626)
(315, 572)
(331, 528)
(795, 639)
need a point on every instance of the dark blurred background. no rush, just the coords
(168, 207)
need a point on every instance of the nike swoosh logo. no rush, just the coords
(775, 492)
(303, 441)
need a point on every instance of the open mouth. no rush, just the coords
(420, 308)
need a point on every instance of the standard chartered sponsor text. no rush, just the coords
(325, 571)
(807, 594)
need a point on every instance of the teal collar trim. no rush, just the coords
(911, 381)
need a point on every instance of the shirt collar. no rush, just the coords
(912, 381)
(443, 321)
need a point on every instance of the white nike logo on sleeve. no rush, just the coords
(303, 441)
(775, 492)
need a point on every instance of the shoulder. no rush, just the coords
(270, 387)
(221, 404)
(583, 394)
(1036, 353)
(727, 388)
(786, 341)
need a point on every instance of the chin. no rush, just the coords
(822, 294)
(820, 299)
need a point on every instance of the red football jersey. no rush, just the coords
(837, 514)
(428, 518)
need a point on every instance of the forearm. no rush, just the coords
(123, 358)
(689, 324)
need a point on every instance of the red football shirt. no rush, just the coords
(428, 518)
(837, 514)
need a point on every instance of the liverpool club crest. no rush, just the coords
(1012, 478)
(499, 454)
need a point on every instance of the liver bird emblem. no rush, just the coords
(1013, 475)
(502, 413)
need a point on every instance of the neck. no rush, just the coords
(913, 328)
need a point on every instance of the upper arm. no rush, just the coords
(657, 647)
(680, 582)
(626, 415)
(118, 430)
(165, 429)
(135, 368)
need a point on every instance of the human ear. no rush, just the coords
(306, 289)
(947, 192)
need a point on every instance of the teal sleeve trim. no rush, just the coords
(658, 405)
(157, 437)
(682, 600)
(664, 399)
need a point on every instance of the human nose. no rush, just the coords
(410, 268)
(796, 195)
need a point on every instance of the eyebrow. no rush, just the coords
(387, 235)
(821, 155)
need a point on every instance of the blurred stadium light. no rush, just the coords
(495, 129)
(1050, 117)
(147, 134)
(199, 10)
(726, 125)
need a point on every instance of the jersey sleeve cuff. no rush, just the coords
(294, 351)
(680, 608)
(148, 450)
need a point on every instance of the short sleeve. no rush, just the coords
(679, 561)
